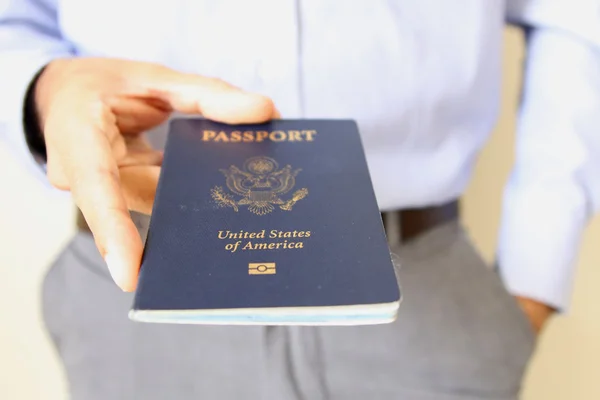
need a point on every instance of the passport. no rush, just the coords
(269, 224)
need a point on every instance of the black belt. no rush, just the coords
(413, 222)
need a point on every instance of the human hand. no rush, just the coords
(537, 313)
(92, 112)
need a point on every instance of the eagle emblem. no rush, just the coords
(260, 183)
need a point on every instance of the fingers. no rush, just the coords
(87, 106)
(136, 115)
(213, 98)
(137, 143)
(139, 152)
(537, 312)
(276, 113)
(141, 158)
(139, 187)
(218, 101)
(91, 170)
(131, 150)
(96, 190)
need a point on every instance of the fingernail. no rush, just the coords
(117, 269)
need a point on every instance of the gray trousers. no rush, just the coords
(459, 335)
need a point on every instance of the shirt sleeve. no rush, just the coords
(29, 39)
(554, 188)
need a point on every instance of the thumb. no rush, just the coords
(213, 98)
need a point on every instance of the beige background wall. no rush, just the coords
(33, 228)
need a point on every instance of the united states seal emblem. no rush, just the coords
(260, 185)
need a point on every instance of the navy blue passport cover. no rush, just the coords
(260, 219)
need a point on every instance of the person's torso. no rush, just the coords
(421, 78)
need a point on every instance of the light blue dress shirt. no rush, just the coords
(422, 78)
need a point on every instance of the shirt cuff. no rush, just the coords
(34, 135)
(539, 241)
(21, 70)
